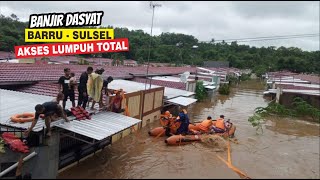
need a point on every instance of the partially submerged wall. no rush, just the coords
(287, 98)
(145, 105)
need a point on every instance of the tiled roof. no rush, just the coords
(129, 61)
(312, 78)
(10, 72)
(5, 55)
(44, 88)
(315, 79)
(291, 86)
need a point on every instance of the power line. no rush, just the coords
(270, 37)
(282, 36)
(267, 39)
(249, 40)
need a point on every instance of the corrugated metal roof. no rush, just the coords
(12, 102)
(131, 86)
(101, 126)
(298, 91)
(169, 78)
(210, 87)
(183, 101)
(307, 92)
(316, 86)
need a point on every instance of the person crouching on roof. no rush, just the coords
(116, 103)
(184, 119)
(48, 109)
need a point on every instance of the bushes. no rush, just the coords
(224, 89)
(232, 79)
(201, 92)
(245, 77)
(300, 109)
(256, 121)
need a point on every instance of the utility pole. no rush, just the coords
(152, 5)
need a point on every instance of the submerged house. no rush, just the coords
(27, 85)
(285, 86)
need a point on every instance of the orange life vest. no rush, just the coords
(205, 125)
(220, 123)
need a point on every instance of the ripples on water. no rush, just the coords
(287, 149)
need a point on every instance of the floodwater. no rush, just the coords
(287, 148)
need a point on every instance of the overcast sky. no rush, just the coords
(204, 20)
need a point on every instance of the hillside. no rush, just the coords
(165, 50)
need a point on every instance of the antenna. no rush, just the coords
(152, 5)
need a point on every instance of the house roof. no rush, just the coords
(13, 102)
(170, 84)
(126, 61)
(51, 72)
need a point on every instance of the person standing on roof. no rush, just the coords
(64, 82)
(107, 91)
(82, 88)
(49, 109)
(94, 86)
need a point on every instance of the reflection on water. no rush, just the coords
(287, 149)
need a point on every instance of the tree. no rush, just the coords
(14, 17)
(163, 49)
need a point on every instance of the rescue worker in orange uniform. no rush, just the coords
(203, 127)
(219, 125)
(206, 124)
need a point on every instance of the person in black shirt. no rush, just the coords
(107, 91)
(82, 88)
(49, 109)
(68, 92)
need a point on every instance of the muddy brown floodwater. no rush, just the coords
(287, 149)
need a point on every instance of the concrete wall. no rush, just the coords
(191, 86)
(286, 99)
(151, 118)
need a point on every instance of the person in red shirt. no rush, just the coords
(116, 103)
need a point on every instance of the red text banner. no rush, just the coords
(61, 49)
